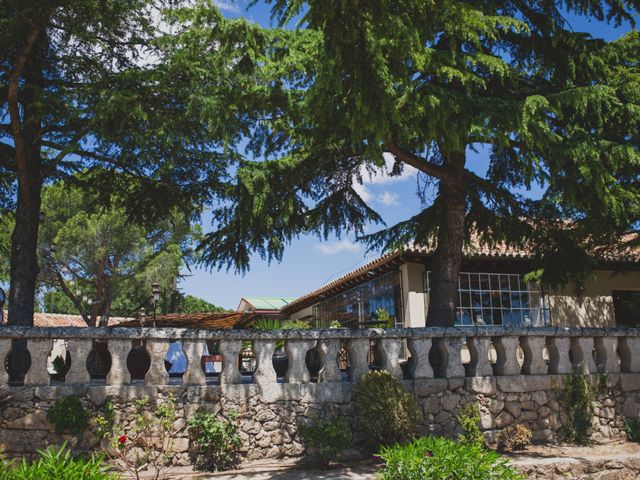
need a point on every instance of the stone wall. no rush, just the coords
(507, 390)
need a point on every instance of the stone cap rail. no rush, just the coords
(145, 333)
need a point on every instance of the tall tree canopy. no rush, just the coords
(92, 83)
(427, 81)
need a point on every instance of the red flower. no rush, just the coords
(122, 439)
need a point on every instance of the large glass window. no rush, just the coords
(359, 306)
(498, 299)
(626, 307)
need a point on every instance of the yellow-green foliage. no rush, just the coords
(386, 411)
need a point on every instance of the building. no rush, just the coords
(264, 307)
(492, 291)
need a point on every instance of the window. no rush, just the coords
(357, 307)
(626, 307)
(498, 299)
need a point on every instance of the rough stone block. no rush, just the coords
(425, 387)
(33, 421)
(481, 385)
(630, 382)
(524, 383)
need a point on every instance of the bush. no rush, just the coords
(577, 401)
(327, 438)
(514, 437)
(632, 429)
(386, 411)
(68, 416)
(59, 464)
(468, 418)
(217, 441)
(437, 458)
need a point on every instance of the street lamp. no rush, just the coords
(155, 296)
(142, 315)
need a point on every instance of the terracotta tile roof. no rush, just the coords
(215, 321)
(60, 320)
(627, 252)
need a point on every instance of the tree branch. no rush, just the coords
(416, 162)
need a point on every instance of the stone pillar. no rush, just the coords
(230, 350)
(582, 351)
(5, 347)
(39, 349)
(358, 349)
(264, 374)
(297, 371)
(532, 347)
(507, 350)
(607, 354)
(389, 349)
(119, 350)
(79, 349)
(329, 349)
(479, 349)
(559, 348)
(452, 362)
(157, 374)
(419, 366)
(193, 350)
(629, 358)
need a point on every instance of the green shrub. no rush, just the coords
(327, 438)
(436, 458)
(68, 416)
(514, 437)
(468, 418)
(58, 464)
(386, 411)
(576, 399)
(632, 429)
(216, 440)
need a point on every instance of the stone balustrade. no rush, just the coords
(429, 353)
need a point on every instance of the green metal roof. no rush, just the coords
(268, 303)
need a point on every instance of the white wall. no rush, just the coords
(413, 294)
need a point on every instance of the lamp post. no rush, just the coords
(142, 316)
(155, 296)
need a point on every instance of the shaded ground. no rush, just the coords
(539, 461)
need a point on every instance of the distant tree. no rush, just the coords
(103, 263)
(191, 304)
(427, 82)
(93, 83)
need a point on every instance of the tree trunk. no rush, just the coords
(446, 261)
(26, 127)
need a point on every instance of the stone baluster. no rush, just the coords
(559, 362)
(533, 347)
(629, 358)
(264, 374)
(607, 355)
(358, 349)
(450, 348)
(582, 351)
(119, 350)
(230, 350)
(157, 374)
(39, 349)
(390, 349)
(80, 349)
(507, 351)
(297, 371)
(480, 365)
(5, 347)
(329, 349)
(193, 350)
(419, 366)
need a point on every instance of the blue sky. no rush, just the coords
(309, 263)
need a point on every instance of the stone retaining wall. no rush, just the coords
(512, 388)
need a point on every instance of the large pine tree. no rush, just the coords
(427, 81)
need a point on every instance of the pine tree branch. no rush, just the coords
(416, 162)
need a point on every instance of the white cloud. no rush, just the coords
(388, 198)
(228, 6)
(333, 248)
